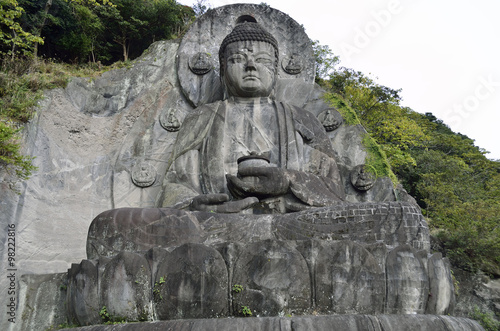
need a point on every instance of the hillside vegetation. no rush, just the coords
(455, 184)
(44, 43)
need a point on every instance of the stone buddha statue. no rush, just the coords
(251, 153)
(253, 196)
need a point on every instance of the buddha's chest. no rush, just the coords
(251, 128)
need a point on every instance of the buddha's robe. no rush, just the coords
(214, 136)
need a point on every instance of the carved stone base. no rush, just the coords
(138, 229)
(303, 323)
(269, 278)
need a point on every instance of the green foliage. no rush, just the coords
(157, 289)
(325, 60)
(82, 41)
(457, 187)
(487, 320)
(13, 38)
(104, 314)
(376, 161)
(237, 288)
(85, 30)
(377, 108)
(108, 319)
(22, 82)
(246, 311)
(349, 115)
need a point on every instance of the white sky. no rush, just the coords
(444, 54)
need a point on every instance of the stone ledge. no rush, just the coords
(140, 229)
(332, 322)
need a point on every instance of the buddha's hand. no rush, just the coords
(219, 203)
(259, 182)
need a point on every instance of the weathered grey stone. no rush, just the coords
(274, 277)
(44, 300)
(343, 322)
(303, 323)
(407, 282)
(269, 277)
(89, 138)
(392, 223)
(125, 288)
(139, 229)
(379, 251)
(114, 91)
(347, 141)
(348, 280)
(76, 154)
(476, 291)
(83, 293)
(441, 290)
(191, 282)
(426, 322)
(331, 119)
(210, 29)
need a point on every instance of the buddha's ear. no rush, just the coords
(225, 95)
(272, 95)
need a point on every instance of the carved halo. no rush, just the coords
(207, 33)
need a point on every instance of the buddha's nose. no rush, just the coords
(250, 64)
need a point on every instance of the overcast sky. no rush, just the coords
(444, 54)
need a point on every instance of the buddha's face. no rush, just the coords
(250, 69)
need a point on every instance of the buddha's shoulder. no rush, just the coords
(303, 117)
(202, 113)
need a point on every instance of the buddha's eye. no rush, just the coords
(264, 60)
(237, 58)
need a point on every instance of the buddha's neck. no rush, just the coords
(250, 101)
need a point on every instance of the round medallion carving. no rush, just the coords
(331, 119)
(169, 120)
(143, 174)
(362, 179)
(200, 63)
(293, 65)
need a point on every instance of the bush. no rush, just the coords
(487, 320)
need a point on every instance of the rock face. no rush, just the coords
(390, 223)
(303, 323)
(85, 162)
(103, 149)
(270, 277)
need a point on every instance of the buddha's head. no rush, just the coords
(248, 60)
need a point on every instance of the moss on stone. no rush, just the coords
(349, 115)
(376, 161)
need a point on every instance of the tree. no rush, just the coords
(13, 38)
(134, 24)
(325, 60)
(85, 37)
